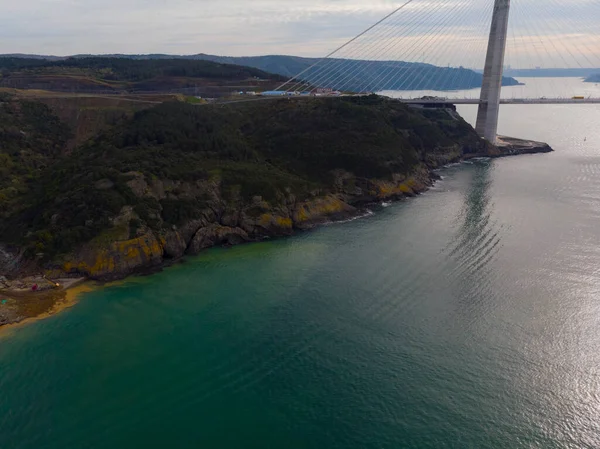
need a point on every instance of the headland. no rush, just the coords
(171, 180)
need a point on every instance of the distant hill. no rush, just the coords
(593, 78)
(365, 75)
(356, 75)
(114, 74)
(551, 73)
(288, 66)
(27, 56)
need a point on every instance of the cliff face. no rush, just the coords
(226, 225)
(177, 179)
(117, 259)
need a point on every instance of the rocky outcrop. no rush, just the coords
(276, 223)
(6, 260)
(120, 251)
(117, 259)
(214, 235)
(174, 245)
(321, 210)
(9, 262)
(189, 229)
(511, 146)
(233, 221)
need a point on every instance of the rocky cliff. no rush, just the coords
(224, 224)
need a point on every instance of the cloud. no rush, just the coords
(543, 32)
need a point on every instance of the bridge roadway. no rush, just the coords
(419, 101)
(502, 101)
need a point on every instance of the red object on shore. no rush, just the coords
(34, 288)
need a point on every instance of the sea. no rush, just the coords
(468, 317)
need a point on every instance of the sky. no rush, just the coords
(543, 32)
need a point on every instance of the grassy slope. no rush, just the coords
(118, 74)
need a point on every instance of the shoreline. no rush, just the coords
(26, 307)
(68, 298)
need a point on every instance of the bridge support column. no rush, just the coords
(487, 116)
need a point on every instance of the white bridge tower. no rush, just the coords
(487, 116)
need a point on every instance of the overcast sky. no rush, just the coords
(299, 27)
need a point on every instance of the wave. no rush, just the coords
(367, 213)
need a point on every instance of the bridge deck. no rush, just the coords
(503, 101)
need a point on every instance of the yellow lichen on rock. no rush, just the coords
(277, 221)
(118, 257)
(265, 220)
(387, 189)
(284, 222)
(321, 208)
(406, 188)
(302, 214)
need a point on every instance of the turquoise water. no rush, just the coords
(468, 317)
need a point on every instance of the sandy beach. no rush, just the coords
(20, 309)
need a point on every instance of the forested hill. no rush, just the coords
(118, 74)
(354, 75)
(178, 178)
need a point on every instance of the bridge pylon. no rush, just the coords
(489, 107)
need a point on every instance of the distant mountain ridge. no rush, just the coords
(551, 72)
(359, 75)
(342, 74)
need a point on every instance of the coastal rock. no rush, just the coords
(216, 234)
(8, 261)
(446, 155)
(320, 210)
(273, 224)
(231, 217)
(400, 186)
(261, 219)
(511, 146)
(5, 260)
(174, 246)
(189, 229)
(117, 259)
(384, 190)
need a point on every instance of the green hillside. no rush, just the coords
(176, 163)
